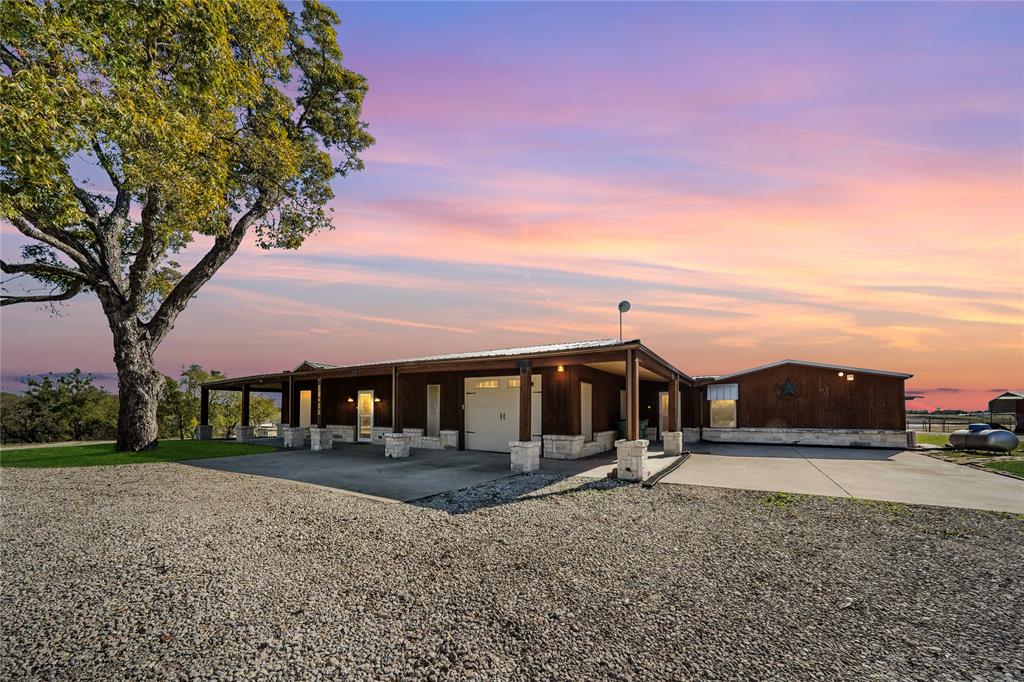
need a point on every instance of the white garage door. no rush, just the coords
(492, 412)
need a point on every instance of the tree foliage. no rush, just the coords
(58, 408)
(129, 131)
(67, 407)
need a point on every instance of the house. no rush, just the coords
(574, 399)
(805, 403)
(1010, 402)
(1006, 402)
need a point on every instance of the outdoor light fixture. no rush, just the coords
(376, 400)
(840, 374)
(849, 377)
(561, 368)
(351, 399)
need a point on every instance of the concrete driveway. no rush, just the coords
(363, 469)
(889, 475)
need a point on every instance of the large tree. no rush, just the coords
(130, 130)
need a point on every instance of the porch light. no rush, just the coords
(561, 368)
(840, 374)
(351, 399)
(849, 377)
(376, 400)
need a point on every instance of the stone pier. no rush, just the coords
(321, 439)
(525, 455)
(632, 460)
(673, 442)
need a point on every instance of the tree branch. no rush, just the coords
(50, 239)
(142, 267)
(70, 292)
(223, 248)
(45, 269)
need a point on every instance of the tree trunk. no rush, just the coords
(138, 389)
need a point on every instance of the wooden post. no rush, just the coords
(525, 401)
(293, 415)
(321, 420)
(395, 413)
(245, 404)
(204, 406)
(632, 396)
(673, 404)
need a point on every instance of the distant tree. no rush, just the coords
(208, 121)
(15, 418)
(226, 411)
(60, 407)
(175, 410)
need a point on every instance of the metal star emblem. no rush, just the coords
(787, 389)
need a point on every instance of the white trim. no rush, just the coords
(822, 365)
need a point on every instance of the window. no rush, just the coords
(488, 383)
(723, 414)
(513, 383)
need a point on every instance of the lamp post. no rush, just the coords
(623, 308)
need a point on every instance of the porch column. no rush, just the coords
(396, 412)
(321, 420)
(245, 404)
(203, 430)
(525, 401)
(632, 396)
(293, 414)
(673, 404)
(204, 406)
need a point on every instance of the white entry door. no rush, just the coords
(364, 416)
(662, 411)
(492, 412)
(587, 410)
(433, 409)
(305, 408)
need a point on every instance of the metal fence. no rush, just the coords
(947, 423)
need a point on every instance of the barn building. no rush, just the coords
(572, 400)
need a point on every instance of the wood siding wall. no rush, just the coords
(824, 401)
(337, 409)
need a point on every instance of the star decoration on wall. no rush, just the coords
(787, 389)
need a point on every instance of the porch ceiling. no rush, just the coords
(618, 368)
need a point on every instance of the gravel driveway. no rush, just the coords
(170, 571)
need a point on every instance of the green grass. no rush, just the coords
(882, 505)
(933, 438)
(103, 453)
(782, 500)
(1013, 467)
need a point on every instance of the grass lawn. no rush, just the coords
(1013, 467)
(103, 453)
(933, 438)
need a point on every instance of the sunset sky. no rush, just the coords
(829, 182)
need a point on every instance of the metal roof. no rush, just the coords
(573, 346)
(823, 365)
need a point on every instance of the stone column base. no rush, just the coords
(673, 442)
(281, 426)
(563, 447)
(525, 455)
(632, 460)
(449, 440)
(321, 439)
(652, 433)
(417, 436)
(397, 444)
(294, 437)
(204, 432)
(245, 433)
(344, 433)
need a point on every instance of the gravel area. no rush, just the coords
(170, 571)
